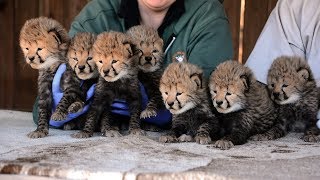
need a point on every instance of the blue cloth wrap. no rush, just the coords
(119, 107)
(57, 94)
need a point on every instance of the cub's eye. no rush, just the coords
(166, 93)
(27, 48)
(100, 61)
(39, 49)
(155, 51)
(76, 59)
(285, 85)
(272, 85)
(215, 92)
(114, 61)
(228, 94)
(89, 58)
(178, 94)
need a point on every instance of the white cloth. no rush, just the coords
(293, 28)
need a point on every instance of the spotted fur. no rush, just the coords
(149, 47)
(243, 103)
(292, 86)
(185, 94)
(113, 54)
(44, 43)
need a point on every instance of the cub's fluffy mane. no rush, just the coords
(231, 72)
(143, 33)
(290, 65)
(104, 46)
(174, 72)
(34, 29)
(83, 41)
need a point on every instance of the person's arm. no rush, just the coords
(292, 28)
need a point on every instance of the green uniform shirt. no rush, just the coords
(201, 34)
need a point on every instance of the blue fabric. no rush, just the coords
(119, 107)
(163, 117)
(57, 94)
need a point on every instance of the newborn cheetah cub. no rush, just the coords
(80, 67)
(44, 43)
(113, 55)
(292, 86)
(243, 103)
(149, 47)
(83, 71)
(185, 95)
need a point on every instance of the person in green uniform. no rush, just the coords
(197, 29)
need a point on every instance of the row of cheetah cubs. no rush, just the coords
(228, 109)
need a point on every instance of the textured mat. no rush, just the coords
(131, 157)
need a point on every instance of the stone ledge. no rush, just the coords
(131, 157)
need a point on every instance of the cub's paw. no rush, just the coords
(223, 144)
(137, 132)
(261, 137)
(75, 107)
(38, 134)
(185, 138)
(147, 113)
(58, 116)
(82, 134)
(202, 139)
(167, 139)
(111, 133)
(310, 138)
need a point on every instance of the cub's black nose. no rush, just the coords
(148, 58)
(219, 103)
(81, 67)
(170, 104)
(31, 58)
(276, 94)
(106, 71)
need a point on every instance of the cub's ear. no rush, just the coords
(304, 74)
(64, 46)
(160, 41)
(246, 82)
(55, 35)
(197, 80)
(130, 47)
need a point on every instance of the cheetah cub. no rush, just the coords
(149, 47)
(243, 104)
(44, 43)
(292, 86)
(113, 55)
(80, 47)
(185, 95)
(83, 71)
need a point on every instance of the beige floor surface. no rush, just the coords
(131, 157)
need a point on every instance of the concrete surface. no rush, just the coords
(131, 157)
